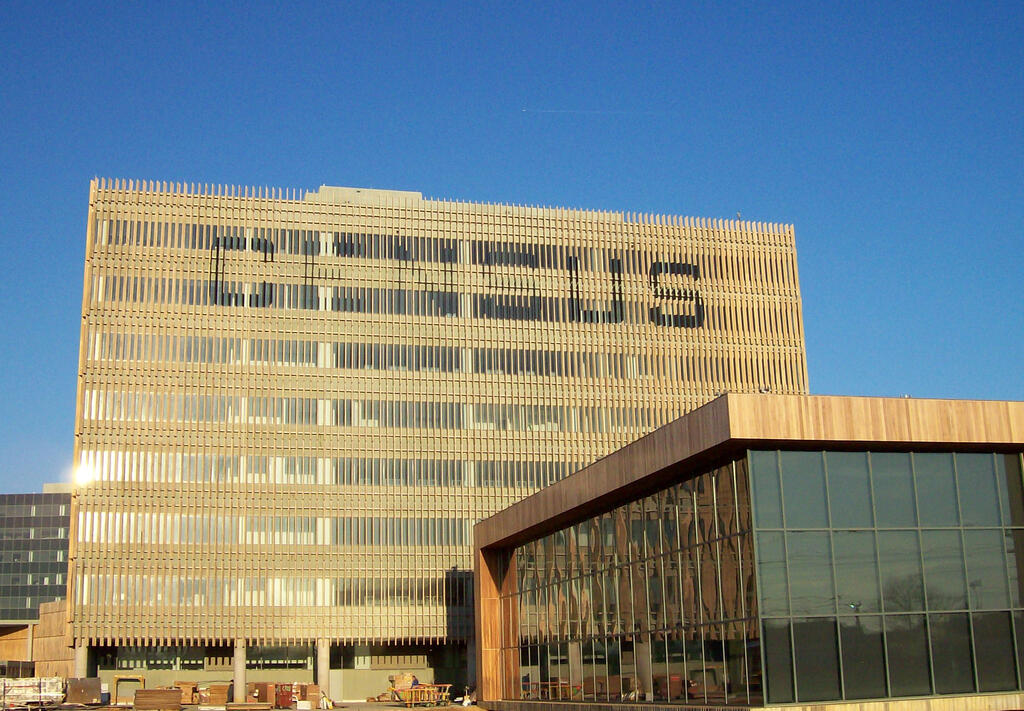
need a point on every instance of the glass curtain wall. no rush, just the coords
(889, 574)
(652, 601)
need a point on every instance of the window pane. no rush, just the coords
(894, 489)
(856, 572)
(810, 579)
(936, 489)
(1018, 625)
(907, 652)
(1011, 488)
(816, 656)
(778, 661)
(803, 489)
(849, 489)
(976, 482)
(986, 571)
(945, 582)
(994, 651)
(863, 657)
(900, 561)
(951, 654)
(764, 474)
(771, 568)
(1014, 542)
(754, 676)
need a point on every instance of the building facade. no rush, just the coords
(34, 530)
(33, 551)
(769, 550)
(293, 407)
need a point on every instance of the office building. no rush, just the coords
(294, 406)
(767, 550)
(33, 563)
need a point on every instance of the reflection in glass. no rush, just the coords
(863, 656)
(661, 678)
(936, 489)
(657, 600)
(945, 584)
(986, 570)
(743, 522)
(764, 474)
(994, 651)
(715, 676)
(951, 653)
(906, 645)
(900, 562)
(736, 663)
(856, 572)
(1018, 626)
(1014, 542)
(591, 682)
(771, 564)
(754, 683)
(976, 483)
(1011, 488)
(803, 489)
(894, 489)
(849, 489)
(816, 655)
(810, 562)
(778, 662)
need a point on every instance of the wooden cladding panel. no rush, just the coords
(737, 421)
(144, 305)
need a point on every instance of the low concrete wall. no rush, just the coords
(360, 684)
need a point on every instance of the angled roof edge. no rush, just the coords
(737, 421)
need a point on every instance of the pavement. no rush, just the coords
(378, 705)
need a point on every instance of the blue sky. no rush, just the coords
(891, 135)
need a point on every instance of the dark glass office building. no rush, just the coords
(766, 550)
(33, 551)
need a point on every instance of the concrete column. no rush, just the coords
(81, 660)
(239, 671)
(30, 634)
(575, 663)
(323, 668)
(644, 667)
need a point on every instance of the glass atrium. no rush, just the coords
(781, 576)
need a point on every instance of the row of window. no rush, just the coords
(686, 517)
(140, 406)
(886, 489)
(209, 657)
(712, 664)
(268, 242)
(155, 348)
(172, 467)
(870, 656)
(124, 527)
(29, 533)
(31, 579)
(526, 306)
(9, 511)
(31, 556)
(178, 591)
(679, 557)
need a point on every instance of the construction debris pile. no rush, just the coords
(32, 691)
(50, 692)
